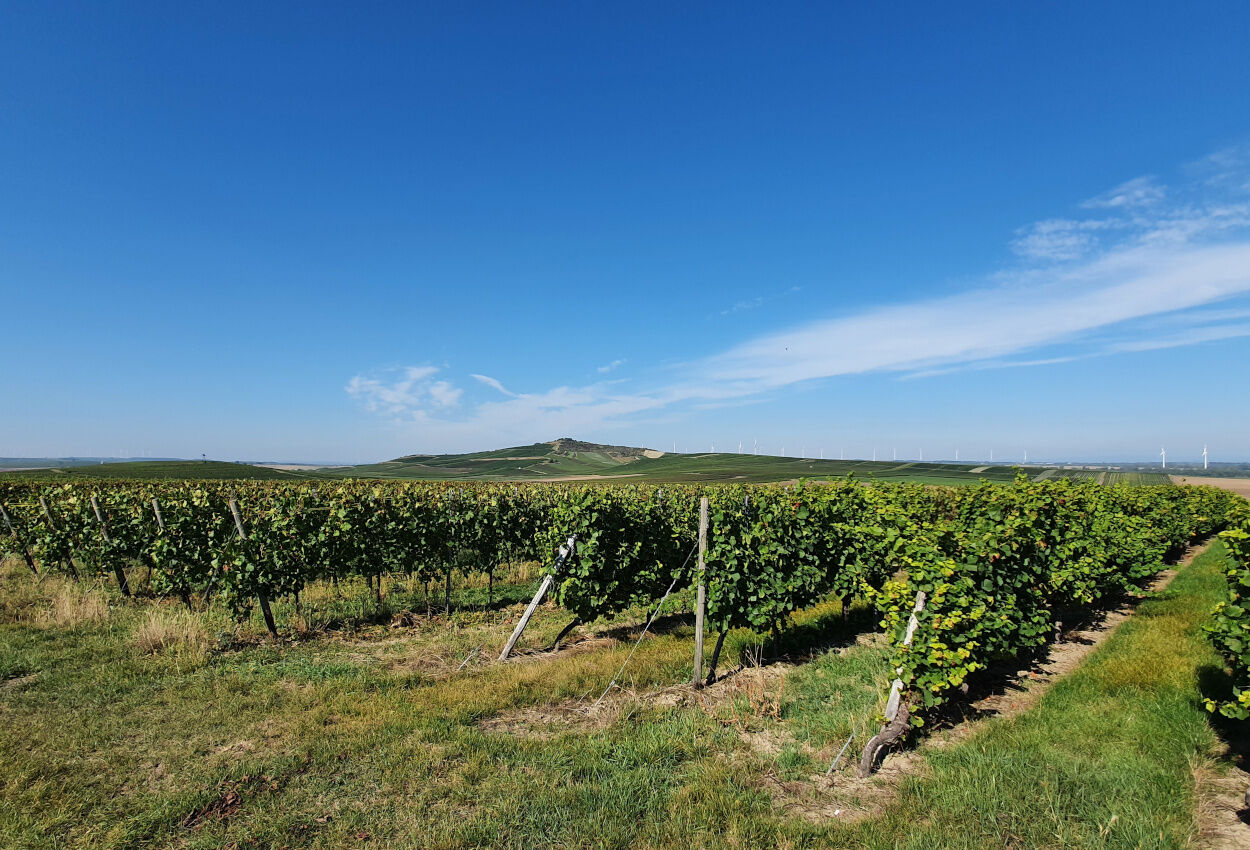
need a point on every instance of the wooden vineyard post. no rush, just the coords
(30, 562)
(260, 594)
(156, 509)
(701, 595)
(548, 580)
(897, 714)
(118, 570)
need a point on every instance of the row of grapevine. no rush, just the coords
(1230, 626)
(994, 561)
(286, 535)
(992, 579)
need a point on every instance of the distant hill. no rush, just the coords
(212, 470)
(62, 462)
(567, 459)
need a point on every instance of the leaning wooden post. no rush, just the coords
(160, 524)
(260, 594)
(118, 570)
(897, 714)
(30, 562)
(700, 604)
(548, 580)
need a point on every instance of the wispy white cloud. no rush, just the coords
(443, 394)
(1058, 239)
(603, 370)
(1189, 336)
(493, 383)
(1138, 192)
(745, 304)
(401, 391)
(1162, 267)
(400, 394)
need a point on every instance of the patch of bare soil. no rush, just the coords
(1223, 810)
(571, 645)
(539, 722)
(1240, 486)
(18, 682)
(850, 798)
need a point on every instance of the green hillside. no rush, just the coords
(162, 469)
(568, 459)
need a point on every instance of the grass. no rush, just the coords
(120, 732)
(1106, 759)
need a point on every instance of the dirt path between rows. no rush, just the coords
(847, 798)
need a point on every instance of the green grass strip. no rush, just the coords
(1107, 757)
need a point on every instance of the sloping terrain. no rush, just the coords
(186, 470)
(570, 460)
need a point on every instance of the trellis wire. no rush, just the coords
(645, 628)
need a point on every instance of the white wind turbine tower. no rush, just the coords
(896, 454)
(1204, 455)
(1026, 455)
(956, 455)
(739, 447)
(756, 448)
(922, 455)
(874, 454)
(1163, 453)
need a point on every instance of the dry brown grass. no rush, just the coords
(71, 605)
(171, 630)
(49, 600)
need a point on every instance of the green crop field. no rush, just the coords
(159, 470)
(332, 678)
(568, 459)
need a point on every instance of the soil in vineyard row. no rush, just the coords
(138, 725)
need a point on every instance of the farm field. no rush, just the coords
(360, 729)
(571, 460)
(159, 470)
(1240, 486)
(190, 664)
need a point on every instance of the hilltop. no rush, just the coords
(567, 459)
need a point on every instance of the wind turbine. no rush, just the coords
(1163, 453)
(1204, 455)
(922, 455)
(739, 447)
(1026, 455)
(956, 455)
(991, 455)
(874, 454)
(756, 448)
(841, 454)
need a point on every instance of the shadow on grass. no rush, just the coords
(1216, 683)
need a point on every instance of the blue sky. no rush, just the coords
(348, 232)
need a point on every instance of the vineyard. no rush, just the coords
(959, 578)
